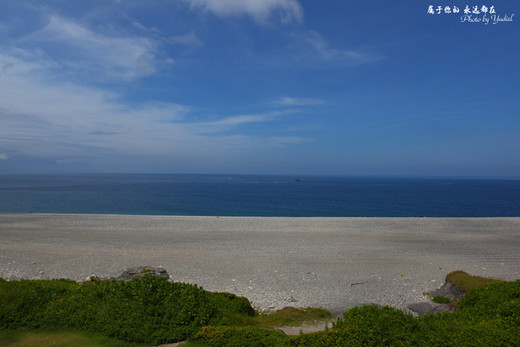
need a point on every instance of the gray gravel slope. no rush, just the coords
(334, 263)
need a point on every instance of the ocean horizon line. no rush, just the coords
(285, 175)
(259, 195)
(47, 214)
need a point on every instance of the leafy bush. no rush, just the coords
(489, 315)
(496, 300)
(364, 326)
(230, 303)
(23, 303)
(149, 309)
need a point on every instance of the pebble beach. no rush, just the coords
(334, 263)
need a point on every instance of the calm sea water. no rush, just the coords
(222, 195)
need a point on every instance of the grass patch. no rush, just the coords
(61, 337)
(466, 282)
(291, 316)
(441, 300)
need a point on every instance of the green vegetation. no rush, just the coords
(466, 282)
(291, 316)
(441, 300)
(60, 337)
(487, 316)
(154, 311)
(148, 310)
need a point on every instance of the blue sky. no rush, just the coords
(259, 86)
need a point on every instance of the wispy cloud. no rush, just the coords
(35, 107)
(290, 101)
(81, 48)
(227, 123)
(250, 118)
(262, 11)
(143, 27)
(68, 122)
(315, 48)
(3, 156)
(189, 39)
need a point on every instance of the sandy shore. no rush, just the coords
(334, 263)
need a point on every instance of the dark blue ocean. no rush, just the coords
(242, 195)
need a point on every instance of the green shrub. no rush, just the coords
(150, 310)
(23, 303)
(363, 326)
(231, 303)
(489, 315)
(142, 310)
(498, 299)
(378, 325)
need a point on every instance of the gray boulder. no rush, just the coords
(448, 290)
(139, 271)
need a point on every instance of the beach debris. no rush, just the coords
(355, 284)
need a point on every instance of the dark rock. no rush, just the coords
(139, 271)
(448, 290)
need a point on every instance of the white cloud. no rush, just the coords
(189, 39)
(141, 26)
(289, 101)
(261, 10)
(79, 47)
(35, 109)
(3, 156)
(40, 117)
(249, 118)
(316, 48)
(237, 120)
(227, 123)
